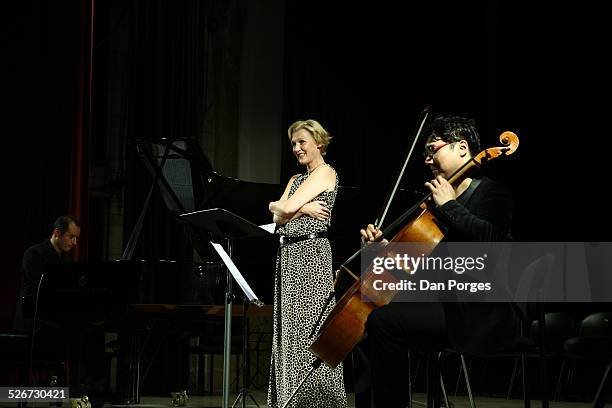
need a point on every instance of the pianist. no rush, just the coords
(52, 340)
(64, 237)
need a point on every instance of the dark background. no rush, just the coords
(72, 107)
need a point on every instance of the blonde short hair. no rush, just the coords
(318, 133)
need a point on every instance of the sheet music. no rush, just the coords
(269, 227)
(237, 275)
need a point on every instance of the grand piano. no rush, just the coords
(128, 294)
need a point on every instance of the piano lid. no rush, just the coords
(188, 182)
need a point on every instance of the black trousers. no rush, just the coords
(393, 330)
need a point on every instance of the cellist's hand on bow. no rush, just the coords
(441, 190)
(371, 234)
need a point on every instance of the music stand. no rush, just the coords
(225, 226)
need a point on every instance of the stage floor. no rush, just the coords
(198, 401)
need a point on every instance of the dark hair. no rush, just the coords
(451, 129)
(63, 222)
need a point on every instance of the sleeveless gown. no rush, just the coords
(303, 281)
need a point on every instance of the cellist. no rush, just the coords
(476, 209)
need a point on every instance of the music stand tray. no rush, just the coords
(223, 224)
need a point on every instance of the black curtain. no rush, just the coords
(166, 90)
(45, 123)
(367, 72)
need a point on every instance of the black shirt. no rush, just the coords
(32, 268)
(485, 216)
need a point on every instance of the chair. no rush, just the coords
(532, 341)
(43, 367)
(537, 340)
(435, 378)
(594, 342)
(559, 326)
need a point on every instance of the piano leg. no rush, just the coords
(128, 369)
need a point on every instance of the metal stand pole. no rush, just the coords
(227, 333)
(245, 360)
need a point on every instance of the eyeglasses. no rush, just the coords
(430, 150)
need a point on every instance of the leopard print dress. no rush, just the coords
(303, 281)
